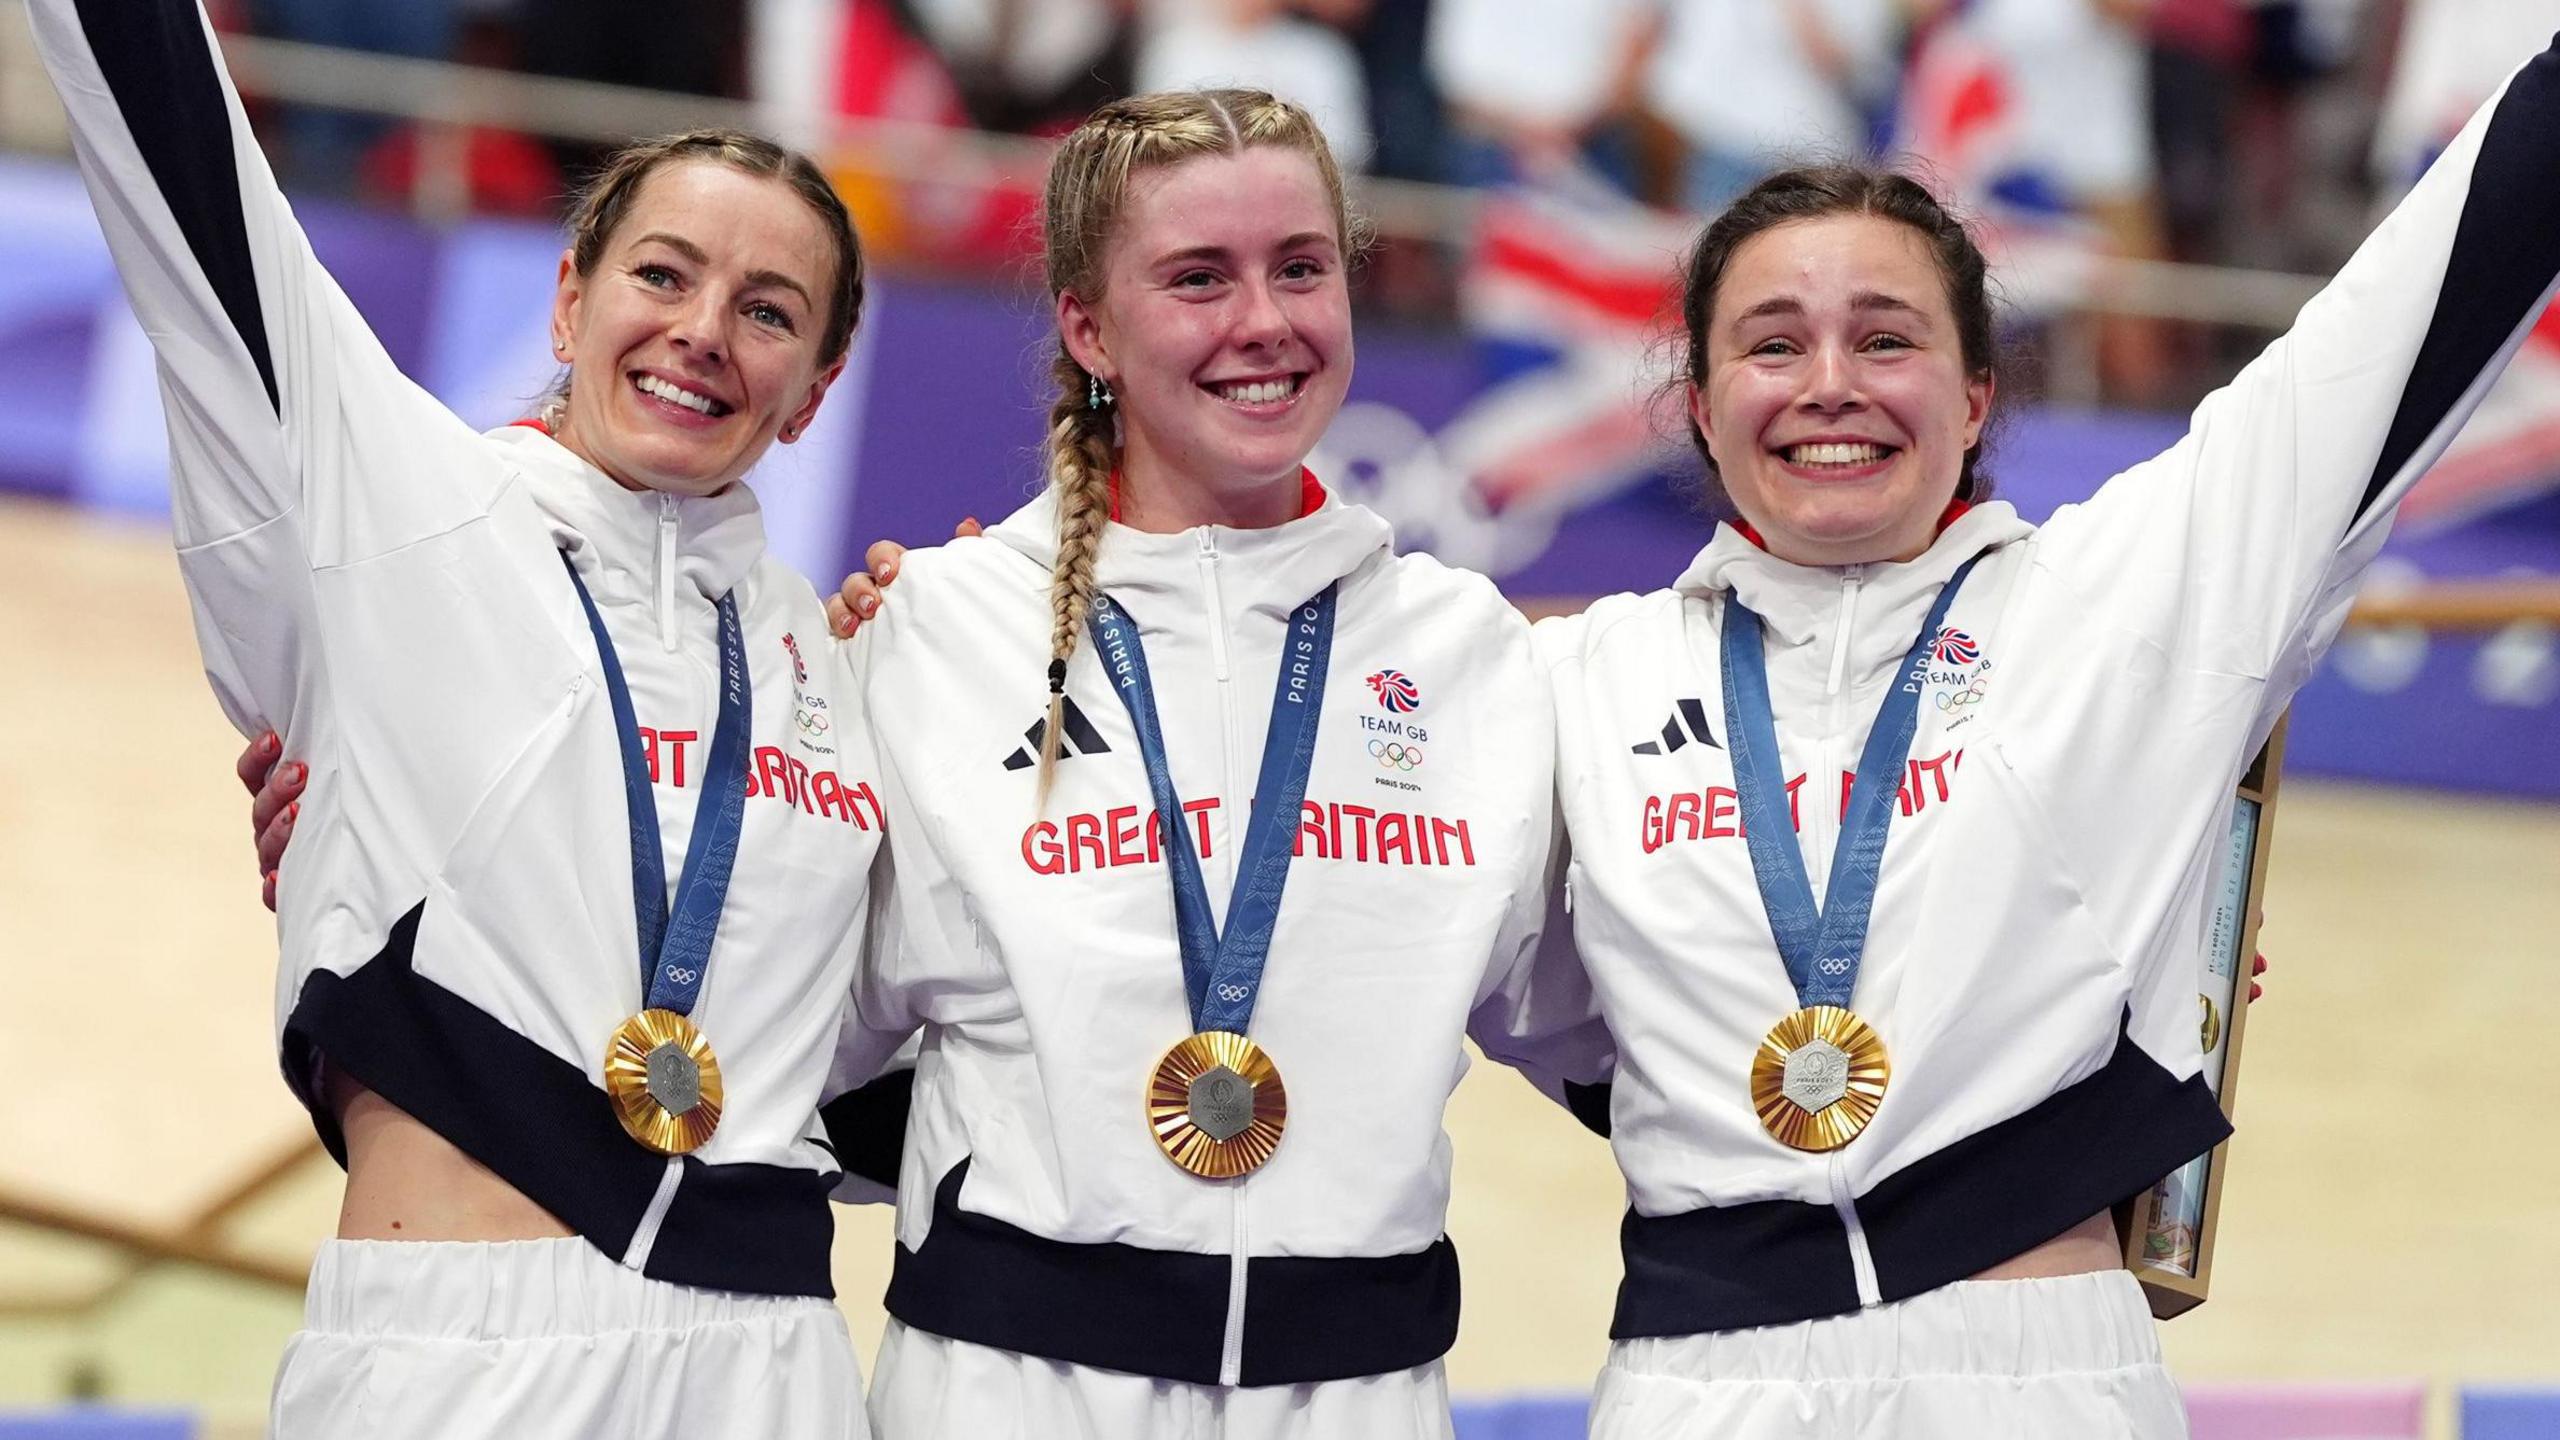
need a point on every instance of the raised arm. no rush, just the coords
(289, 429)
(2240, 548)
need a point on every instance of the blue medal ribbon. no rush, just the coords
(675, 954)
(1222, 974)
(1822, 947)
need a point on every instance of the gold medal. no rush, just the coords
(664, 1080)
(1215, 1105)
(1818, 1078)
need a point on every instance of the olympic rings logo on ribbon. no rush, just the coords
(1396, 755)
(682, 975)
(1232, 993)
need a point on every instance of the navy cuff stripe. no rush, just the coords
(158, 65)
(2506, 249)
(867, 1128)
(1590, 1105)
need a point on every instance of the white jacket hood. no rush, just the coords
(608, 528)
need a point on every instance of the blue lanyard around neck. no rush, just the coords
(675, 954)
(1822, 947)
(1222, 974)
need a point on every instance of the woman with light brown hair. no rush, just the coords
(1222, 826)
(537, 676)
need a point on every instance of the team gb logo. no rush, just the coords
(1395, 691)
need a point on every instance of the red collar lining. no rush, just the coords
(1310, 494)
(1954, 512)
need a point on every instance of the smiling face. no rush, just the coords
(1223, 329)
(695, 337)
(1835, 398)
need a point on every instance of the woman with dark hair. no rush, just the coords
(538, 676)
(1875, 1101)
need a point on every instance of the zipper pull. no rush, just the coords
(667, 527)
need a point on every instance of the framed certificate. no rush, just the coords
(2168, 1229)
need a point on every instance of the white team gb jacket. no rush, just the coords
(2088, 707)
(385, 589)
(1036, 945)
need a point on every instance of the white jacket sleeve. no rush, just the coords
(1537, 1011)
(294, 443)
(872, 1080)
(2239, 550)
(1539, 1014)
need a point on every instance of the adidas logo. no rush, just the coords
(1081, 739)
(1687, 723)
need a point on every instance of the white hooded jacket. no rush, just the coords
(2090, 703)
(1036, 945)
(384, 588)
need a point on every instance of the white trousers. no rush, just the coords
(2074, 1357)
(926, 1387)
(551, 1340)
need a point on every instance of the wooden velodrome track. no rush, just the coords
(2389, 1212)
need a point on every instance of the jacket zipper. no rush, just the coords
(667, 570)
(644, 1238)
(1823, 781)
(1231, 1349)
(1862, 1261)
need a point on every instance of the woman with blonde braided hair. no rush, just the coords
(1195, 931)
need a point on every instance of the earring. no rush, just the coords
(790, 432)
(1096, 394)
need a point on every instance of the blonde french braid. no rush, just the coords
(1080, 455)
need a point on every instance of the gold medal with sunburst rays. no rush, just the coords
(1818, 1077)
(1215, 1105)
(664, 1080)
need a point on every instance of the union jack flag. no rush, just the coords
(1569, 280)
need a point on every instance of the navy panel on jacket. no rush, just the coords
(545, 1128)
(1993, 1195)
(1164, 1313)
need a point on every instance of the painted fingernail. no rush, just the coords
(301, 772)
(267, 743)
(292, 812)
(869, 604)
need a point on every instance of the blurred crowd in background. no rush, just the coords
(2251, 133)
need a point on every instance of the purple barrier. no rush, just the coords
(2215, 1412)
(1537, 1417)
(2510, 1413)
(942, 406)
(99, 1424)
(2307, 1412)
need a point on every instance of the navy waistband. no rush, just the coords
(1164, 1313)
(544, 1127)
(1988, 1197)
